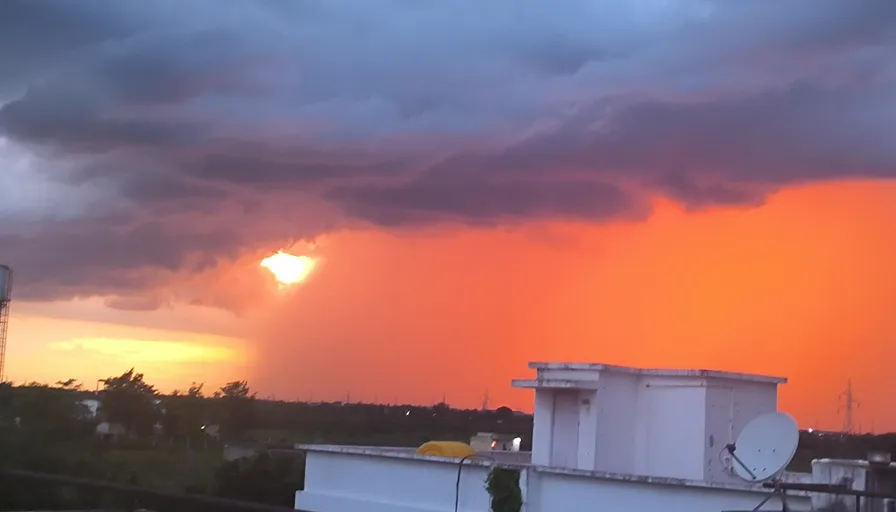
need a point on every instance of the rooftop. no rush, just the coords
(659, 372)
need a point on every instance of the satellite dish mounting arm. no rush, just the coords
(731, 447)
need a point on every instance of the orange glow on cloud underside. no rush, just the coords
(802, 287)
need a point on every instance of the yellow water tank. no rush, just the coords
(453, 449)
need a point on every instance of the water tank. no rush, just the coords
(5, 283)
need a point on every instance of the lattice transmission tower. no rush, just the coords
(5, 297)
(848, 403)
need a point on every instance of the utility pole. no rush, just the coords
(847, 403)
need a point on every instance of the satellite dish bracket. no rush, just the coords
(732, 447)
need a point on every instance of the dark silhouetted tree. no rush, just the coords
(503, 414)
(131, 402)
(185, 414)
(44, 412)
(70, 384)
(236, 409)
(235, 389)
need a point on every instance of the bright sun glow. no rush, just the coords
(289, 269)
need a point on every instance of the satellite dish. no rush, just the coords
(764, 447)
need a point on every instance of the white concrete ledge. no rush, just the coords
(351, 478)
(555, 384)
(490, 459)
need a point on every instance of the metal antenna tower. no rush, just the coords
(5, 294)
(4, 323)
(485, 400)
(848, 402)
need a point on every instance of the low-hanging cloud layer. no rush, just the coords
(148, 139)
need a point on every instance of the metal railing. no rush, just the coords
(886, 500)
(840, 490)
(130, 497)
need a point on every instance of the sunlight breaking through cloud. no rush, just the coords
(288, 268)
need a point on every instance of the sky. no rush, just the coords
(691, 183)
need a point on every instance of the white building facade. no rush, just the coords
(665, 423)
(604, 438)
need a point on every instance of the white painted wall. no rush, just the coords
(543, 428)
(670, 428)
(615, 432)
(565, 445)
(337, 482)
(400, 482)
(550, 491)
(730, 405)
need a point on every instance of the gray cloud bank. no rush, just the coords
(151, 138)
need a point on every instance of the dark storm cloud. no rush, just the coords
(438, 198)
(711, 152)
(38, 34)
(111, 255)
(181, 133)
(73, 121)
(171, 187)
(140, 303)
(295, 169)
(157, 70)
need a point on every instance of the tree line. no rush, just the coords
(130, 402)
(233, 413)
(168, 443)
(164, 441)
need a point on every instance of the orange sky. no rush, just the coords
(802, 287)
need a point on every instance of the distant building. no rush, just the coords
(233, 452)
(91, 408)
(110, 431)
(825, 433)
(213, 430)
(487, 441)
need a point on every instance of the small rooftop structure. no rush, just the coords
(653, 422)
